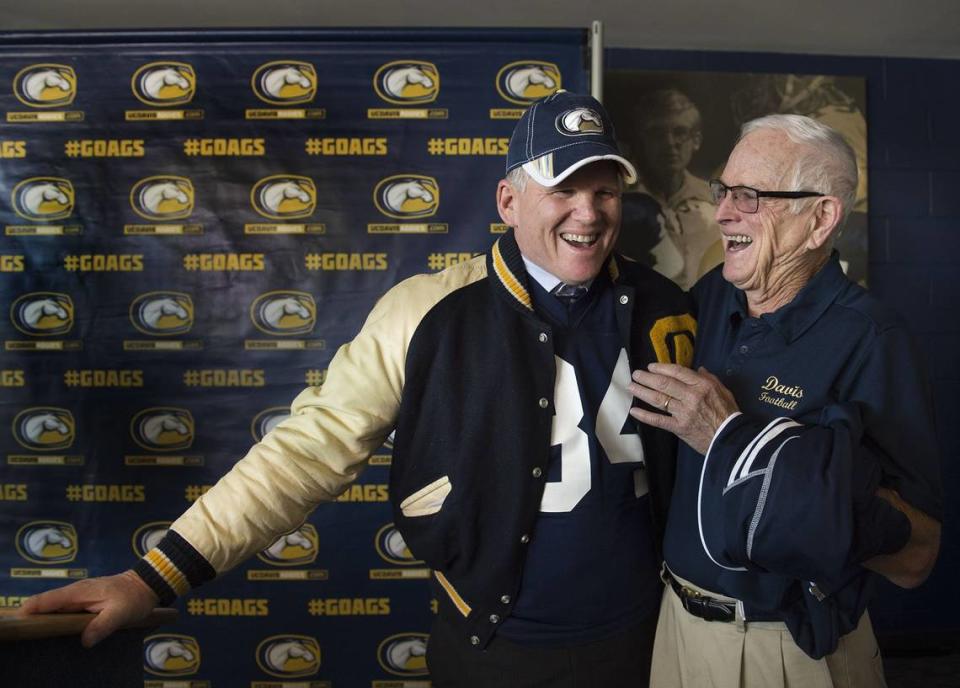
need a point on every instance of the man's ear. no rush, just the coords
(826, 218)
(506, 202)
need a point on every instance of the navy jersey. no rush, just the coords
(833, 347)
(591, 567)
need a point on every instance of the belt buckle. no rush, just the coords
(700, 605)
(695, 602)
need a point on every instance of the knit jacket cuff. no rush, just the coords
(173, 567)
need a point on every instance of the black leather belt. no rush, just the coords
(701, 605)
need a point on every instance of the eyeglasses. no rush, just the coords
(747, 200)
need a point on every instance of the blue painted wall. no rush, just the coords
(914, 192)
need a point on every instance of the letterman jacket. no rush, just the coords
(461, 365)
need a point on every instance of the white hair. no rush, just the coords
(517, 178)
(828, 165)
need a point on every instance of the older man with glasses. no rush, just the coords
(809, 462)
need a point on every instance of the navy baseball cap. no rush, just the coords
(561, 133)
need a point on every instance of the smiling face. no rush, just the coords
(568, 229)
(772, 253)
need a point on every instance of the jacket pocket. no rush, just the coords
(427, 500)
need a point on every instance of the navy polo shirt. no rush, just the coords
(832, 343)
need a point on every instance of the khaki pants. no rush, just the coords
(692, 653)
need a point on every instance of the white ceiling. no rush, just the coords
(901, 28)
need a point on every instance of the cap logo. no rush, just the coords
(579, 121)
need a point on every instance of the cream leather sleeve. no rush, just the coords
(322, 448)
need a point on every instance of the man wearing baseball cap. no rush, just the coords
(518, 474)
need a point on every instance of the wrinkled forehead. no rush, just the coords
(761, 159)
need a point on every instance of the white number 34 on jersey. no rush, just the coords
(574, 448)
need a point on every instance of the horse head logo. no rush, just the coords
(284, 313)
(47, 542)
(525, 82)
(43, 314)
(289, 656)
(163, 198)
(579, 121)
(285, 82)
(44, 428)
(43, 199)
(284, 197)
(164, 83)
(393, 548)
(171, 654)
(162, 314)
(407, 82)
(404, 654)
(45, 85)
(163, 429)
(407, 196)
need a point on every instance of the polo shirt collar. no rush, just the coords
(796, 317)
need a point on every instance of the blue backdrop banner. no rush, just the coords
(191, 223)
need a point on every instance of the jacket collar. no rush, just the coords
(505, 264)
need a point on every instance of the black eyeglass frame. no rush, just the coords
(716, 184)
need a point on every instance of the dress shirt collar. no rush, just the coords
(545, 279)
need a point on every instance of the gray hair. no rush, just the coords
(828, 165)
(517, 178)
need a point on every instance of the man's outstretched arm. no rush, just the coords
(308, 459)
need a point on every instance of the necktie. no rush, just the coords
(569, 293)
